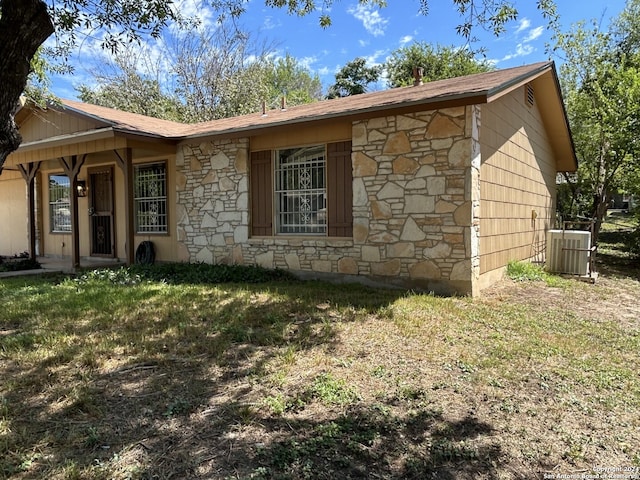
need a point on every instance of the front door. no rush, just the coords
(101, 212)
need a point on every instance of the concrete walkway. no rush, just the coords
(63, 265)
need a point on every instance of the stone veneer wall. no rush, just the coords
(415, 225)
(212, 201)
(413, 205)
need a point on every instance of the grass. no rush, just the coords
(619, 245)
(130, 374)
(529, 272)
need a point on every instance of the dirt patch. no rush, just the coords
(609, 298)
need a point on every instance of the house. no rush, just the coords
(434, 187)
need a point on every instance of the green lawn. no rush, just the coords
(115, 376)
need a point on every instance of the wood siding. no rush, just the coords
(517, 182)
(302, 135)
(261, 193)
(339, 190)
(50, 123)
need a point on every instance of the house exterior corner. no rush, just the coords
(517, 187)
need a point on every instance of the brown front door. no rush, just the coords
(101, 212)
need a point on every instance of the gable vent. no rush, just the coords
(529, 96)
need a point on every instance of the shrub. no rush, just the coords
(14, 265)
(204, 273)
(632, 239)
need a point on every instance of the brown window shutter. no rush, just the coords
(261, 193)
(339, 190)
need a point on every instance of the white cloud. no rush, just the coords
(307, 62)
(522, 50)
(371, 19)
(198, 10)
(406, 39)
(270, 23)
(524, 46)
(533, 34)
(372, 59)
(363, 43)
(523, 24)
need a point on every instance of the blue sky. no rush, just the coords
(373, 33)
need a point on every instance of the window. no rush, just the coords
(150, 198)
(59, 203)
(300, 190)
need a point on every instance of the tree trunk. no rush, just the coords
(600, 206)
(24, 26)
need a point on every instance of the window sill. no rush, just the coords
(152, 234)
(300, 240)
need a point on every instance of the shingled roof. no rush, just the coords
(468, 90)
(125, 121)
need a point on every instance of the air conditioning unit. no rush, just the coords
(568, 251)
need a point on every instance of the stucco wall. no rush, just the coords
(517, 185)
(412, 205)
(13, 214)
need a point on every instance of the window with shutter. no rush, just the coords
(302, 191)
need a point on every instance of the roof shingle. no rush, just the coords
(483, 85)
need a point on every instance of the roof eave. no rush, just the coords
(121, 131)
(63, 107)
(473, 98)
(574, 158)
(518, 81)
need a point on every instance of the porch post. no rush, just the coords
(71, 166)
(126, 165)
(29, 172)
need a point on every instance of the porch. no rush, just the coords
(96, 186)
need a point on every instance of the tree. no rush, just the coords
(122, 86)
(491, 15)
(26, 24)
(601, 85)
(286, 77)
(202, 76)
(626, 29)
(217, 73)
(354, 78)
(438, 63)
(231, 75)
